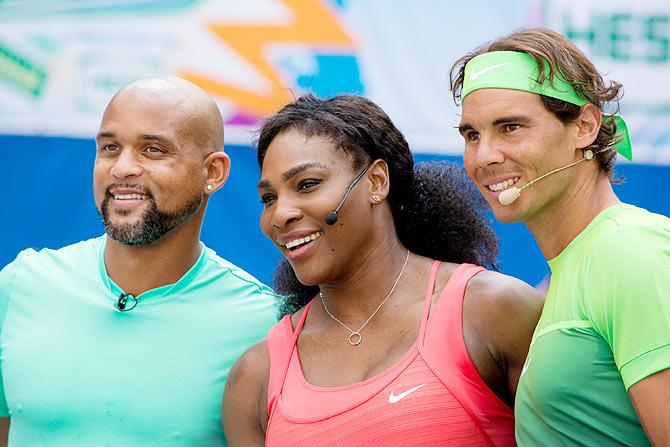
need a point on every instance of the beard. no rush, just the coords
(153, 224)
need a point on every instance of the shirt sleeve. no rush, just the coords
(6, 283)
(629, 298)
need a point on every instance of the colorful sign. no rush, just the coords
(61, 63)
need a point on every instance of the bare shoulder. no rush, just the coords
(254, 364)
(503, 311)
(500, 314)
(245, 397)
(505, 295)
(248, 379)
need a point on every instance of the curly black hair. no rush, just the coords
(437, 212)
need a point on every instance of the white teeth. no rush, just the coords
(129, 196)
(303, 240)
(504, 184)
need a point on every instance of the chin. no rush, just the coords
(126, 217)
(123, 221)
(504, 214)
(308, 279)
(307, 276)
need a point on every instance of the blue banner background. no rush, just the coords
(49, 203)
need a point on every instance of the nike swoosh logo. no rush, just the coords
(475, 74)
(393, 398)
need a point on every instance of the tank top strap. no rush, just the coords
(281, 342)
(452, 295)
(444, 350)
(448, 303)
(448, 310)
(428, 298)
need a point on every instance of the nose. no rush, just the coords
(488, 152)
(126, 165)
(284, 213)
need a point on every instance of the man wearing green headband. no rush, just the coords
(541, 151)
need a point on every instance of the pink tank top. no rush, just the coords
(433, 396)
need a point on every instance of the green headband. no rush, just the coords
(519, 71)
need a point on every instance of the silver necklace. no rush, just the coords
(355, 337)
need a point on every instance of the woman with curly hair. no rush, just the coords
(398, 336)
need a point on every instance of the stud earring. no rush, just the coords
(375, 198)
(209, 187)
(588, 154)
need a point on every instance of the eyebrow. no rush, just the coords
(145, 137)
(290, 173)
(510, 119)
(150, 137)
(105, 134)
(503, 120)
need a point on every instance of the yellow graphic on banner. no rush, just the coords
(313, 24)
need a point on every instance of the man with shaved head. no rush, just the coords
(127, 339)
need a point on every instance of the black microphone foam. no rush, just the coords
(331, 218)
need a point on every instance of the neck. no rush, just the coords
(139, 269)
(369, 280)
(555, 227)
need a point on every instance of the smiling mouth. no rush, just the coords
(295, 243)
(129, 196)
(497, 187)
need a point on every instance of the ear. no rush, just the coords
(378, 177)
(588, 125)
(217, 166)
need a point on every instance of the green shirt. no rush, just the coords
(604, 327)
(78, 372)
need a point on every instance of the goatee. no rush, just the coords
(153, 225)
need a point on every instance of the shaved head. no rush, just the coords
(199, 113)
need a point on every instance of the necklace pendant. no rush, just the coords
(355, 338)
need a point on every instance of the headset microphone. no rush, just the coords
(126, 302)
(508, 196)
(331, 218)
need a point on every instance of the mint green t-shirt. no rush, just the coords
(604, 327)
(78, 372)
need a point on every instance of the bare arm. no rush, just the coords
(500, 314)
(4, 431)
(651, 399)
(245, 397)
(519, 313)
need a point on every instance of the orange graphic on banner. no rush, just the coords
(313, 24)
